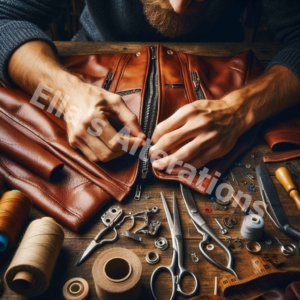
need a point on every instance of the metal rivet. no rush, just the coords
(138, 54)
(170, 52)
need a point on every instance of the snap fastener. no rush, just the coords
(138, 54)
(170, 52)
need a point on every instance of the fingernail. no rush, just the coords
(157, 165)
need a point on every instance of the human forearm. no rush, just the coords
(83, 104)
(274, 91)
(204, 130)
(28, 70)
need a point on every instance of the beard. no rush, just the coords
(162, 17)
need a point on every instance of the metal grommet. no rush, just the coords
(248, 166)
(210, 247)
(288, 249)
(138, 54)
(152, 258)
(253, 247)
(170, 52)
(161, 243)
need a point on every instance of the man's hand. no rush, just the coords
(207, 129)
(87, 109)
(197, 133)
(89, 128)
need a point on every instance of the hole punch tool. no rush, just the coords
(204, 230)
(177, 258)
(109, 219)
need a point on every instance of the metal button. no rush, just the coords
(170, 52)
(138, 54)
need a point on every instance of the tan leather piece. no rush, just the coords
(282, 134)
(83, 187)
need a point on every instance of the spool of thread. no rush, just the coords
(117, 275)
(14, 209)
(31, 269)
(253, 227)
(76, 289)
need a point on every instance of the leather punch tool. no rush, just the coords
(204, 230)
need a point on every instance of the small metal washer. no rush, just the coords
(248, 166)
(161, 243)
(152, 258)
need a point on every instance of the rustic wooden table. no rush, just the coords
(75, 244)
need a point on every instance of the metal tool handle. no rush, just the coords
(216, 239)
(153, 278)
(183, 273)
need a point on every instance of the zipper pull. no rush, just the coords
(138, 191)
(153, 51)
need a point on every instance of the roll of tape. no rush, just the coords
(117, 275)
(76, 289)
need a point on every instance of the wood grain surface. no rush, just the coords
(75, 244)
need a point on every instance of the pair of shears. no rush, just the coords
(204, 230)
(177, 258)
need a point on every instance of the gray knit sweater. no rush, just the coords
(123, 20)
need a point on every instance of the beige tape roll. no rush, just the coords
(117, 275)
(76, 289)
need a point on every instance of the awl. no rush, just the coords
(284, 177)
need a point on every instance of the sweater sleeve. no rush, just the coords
(284, 20)
(23, 21)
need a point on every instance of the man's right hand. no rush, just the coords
(87, 115)
(88, 108)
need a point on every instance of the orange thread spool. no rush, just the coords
(14, 208)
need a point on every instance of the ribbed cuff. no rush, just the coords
(289, 57)
(12, 35)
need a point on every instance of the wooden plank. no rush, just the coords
(263, 51)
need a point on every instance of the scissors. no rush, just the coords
(109, 219)
(177, 258)
(204, 230)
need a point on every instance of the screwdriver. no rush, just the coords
(285, 178)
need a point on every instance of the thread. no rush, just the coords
(14, 209)
(76, 289)
(253, 227)
(117, 275)
(31, 269)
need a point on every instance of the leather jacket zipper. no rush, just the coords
(148, 121)
(196, 81)
(108, 81)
